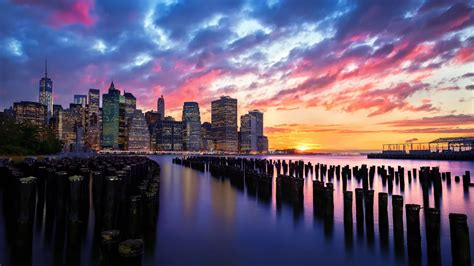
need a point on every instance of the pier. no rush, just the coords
(454, 149)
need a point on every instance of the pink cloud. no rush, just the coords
(78, 12)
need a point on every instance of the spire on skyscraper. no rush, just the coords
(46, 68)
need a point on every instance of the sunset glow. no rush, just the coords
(344, 76)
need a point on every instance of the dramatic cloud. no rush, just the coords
(352, 61)
(448, 120)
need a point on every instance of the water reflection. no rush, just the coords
(217, 220)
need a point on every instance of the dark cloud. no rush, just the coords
(187, 45)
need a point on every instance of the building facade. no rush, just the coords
(160, 107)
(138, 133)
(46, 93)
(224, 124)
(168, 135)
(71, 123)
(192, 126)
(32, 113)
(130, 105)
(113, 119)
(94, 120)
(251, 129)
(80, 99)
(207, 139)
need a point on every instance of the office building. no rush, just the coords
(168, 135)
(113, 119)
(94, 120)
(46, 93)
(224, 124)
(71, 123)
(207, 139)
(192, 126)
(130, 105)
(161, 107)
(80, 99)
(138, 133)
(251, 129)
(31, 113)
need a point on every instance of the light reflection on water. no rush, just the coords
(214, 223)
(207, 221)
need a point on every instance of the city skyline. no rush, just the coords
(326, 80)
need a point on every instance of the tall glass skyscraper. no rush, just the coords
(113, 119)
(160, 107)
(192, 126)
(138, 134)
(251, 129)
(46, 92)
(93, 120)
(224, 124)
(130, 105)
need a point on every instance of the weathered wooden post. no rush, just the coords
(413, 233)
(433, 236)
(348, 231)
(460, 245)
(131, 252)
(359, 192)
(109, 247)
(369, 214)
(383, 219)
(397, 215)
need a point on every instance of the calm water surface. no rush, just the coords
(204, 220)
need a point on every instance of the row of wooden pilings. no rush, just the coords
(125, 200)
(290, 181)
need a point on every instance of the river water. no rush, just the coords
(205, 220)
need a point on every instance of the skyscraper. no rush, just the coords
(113, 119)
(168, 135)
(93, 120)
(71, 122)
(207, 140)
(80, 99)
(192, 126)
(161, 107)
(130, 105)
(224, 124)
(251, 132)
(138, 133)
(46, 92)
(31, 113)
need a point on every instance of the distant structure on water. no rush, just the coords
(458, 148)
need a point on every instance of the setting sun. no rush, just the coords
(302, 147)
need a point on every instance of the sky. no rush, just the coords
(329, 75)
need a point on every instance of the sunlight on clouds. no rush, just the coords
(249, 26)
(14, 47)
(157, 34)
(100, 46)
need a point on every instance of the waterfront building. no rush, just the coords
(152, 118)
(161, 107)
(80, 99)
(130, 105)
(262, 144)
(93, 125)
(46, 92)
(31, 113)
(168, 135)
(113, 119)
(192, 126)
(251, 130)
(207, 140)
(71, 123)
(138, 133)
(224, 124)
